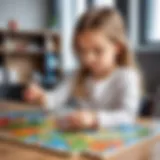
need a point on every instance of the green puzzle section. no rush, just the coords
(39, 128)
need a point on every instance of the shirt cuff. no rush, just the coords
(49, 101)
(113, 119)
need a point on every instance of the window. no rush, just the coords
(150, 21)
(143, 22)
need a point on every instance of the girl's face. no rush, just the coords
(96, 52)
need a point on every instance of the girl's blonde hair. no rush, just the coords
(110, 21)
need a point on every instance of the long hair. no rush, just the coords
(111, 22)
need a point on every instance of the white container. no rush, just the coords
(13, 76)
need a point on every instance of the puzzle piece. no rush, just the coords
(24, 132)
(56, 143)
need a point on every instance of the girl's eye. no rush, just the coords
(98, 50)
(82, 50)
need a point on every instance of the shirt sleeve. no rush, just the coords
(127, 101)
(59, 96)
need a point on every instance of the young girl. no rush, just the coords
(107, 84)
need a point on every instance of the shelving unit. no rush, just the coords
(25, 51)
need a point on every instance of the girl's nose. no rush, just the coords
(90, 58)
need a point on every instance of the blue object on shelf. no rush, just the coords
(51, 65)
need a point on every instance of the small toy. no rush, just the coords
(13, 25)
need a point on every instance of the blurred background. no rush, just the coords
(35, 42)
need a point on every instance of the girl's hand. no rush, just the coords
(34, 94)
(78, 120)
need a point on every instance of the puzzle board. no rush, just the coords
(38, 128)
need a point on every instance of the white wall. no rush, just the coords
(30, 14)
(103, 3)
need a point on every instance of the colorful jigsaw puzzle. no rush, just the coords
(38, 128)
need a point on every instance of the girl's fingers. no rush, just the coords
(33, 94)
(76, 121)
(68, 123)
(29, 95)
(64, 124)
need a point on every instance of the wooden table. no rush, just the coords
(9, 150)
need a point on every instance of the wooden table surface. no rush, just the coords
(9, 150)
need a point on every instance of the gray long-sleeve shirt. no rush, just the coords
(115, 98)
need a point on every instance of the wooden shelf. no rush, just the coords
(26, 33)
(23, 51)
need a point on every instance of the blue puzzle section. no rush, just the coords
(32, 139)
(131, 134)
(57, 143)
